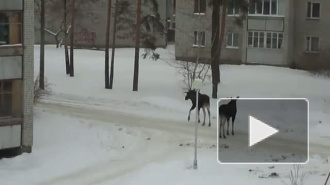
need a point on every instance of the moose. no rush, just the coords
(203, 102)
(227, 111)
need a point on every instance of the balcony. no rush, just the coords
(266, 23)
(8, 120)
(11, 4)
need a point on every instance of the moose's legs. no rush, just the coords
(222, 122)
(228, 121)
(232, 125)
(208, 111)
(192, 108)
(219, 126)
(223, 127)
(204, 114)
(198, 115)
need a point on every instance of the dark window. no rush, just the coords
(233, 8)
(280, 40)
(199, 38)
(263, 7)
(200, 6)
(10, 28)
(255, 39)
(261, 39)
(269, 40)
(250, 39)
(274, 42)
(259, 7)
(232, 40)
(266, 7)
(274, 7)
(252, 7)
(5, 98)
(313, 44)
(316, 10)
(313, 10)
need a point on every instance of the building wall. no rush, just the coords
(16, 69)
(28, 75)
(292, 21)
(309, 27)
(186, 23)
(234, 55)
(90, 26)
(279, 23)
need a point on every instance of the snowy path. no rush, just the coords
(166, 136)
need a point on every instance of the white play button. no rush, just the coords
(259, 131)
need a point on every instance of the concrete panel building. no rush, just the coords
(275, 32)
(16, 75)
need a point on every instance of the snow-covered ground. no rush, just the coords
(85, 134)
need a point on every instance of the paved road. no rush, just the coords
(160, 149)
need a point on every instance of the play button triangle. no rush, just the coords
(259, 131)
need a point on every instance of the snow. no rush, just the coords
(180, 172)
(61, 145)
(99, 136)
(160, 85)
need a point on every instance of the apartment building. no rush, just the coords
(275, 32)
(16, 75)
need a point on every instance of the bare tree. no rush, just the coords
(218, 35)
(42, 47)
(143, 30)
(137, 46)
(66, 50)
(107, 40)
(296, 177)
(72, 37)
(114, 32)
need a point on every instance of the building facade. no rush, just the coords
(16, 75)
(90, 22)
(275, 32)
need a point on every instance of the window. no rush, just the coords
(199, 38)
(261, 39)
(313, 10)
(233, 9)
(10, 28)
(170, 24)
(263, 7)
(200, 6)
(270, 40)
(255, 39)
(5, 98)
(266, 7)
(232, 40)
(313, 44)
(250, 39)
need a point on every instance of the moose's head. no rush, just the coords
(234, 99)
(191, 94)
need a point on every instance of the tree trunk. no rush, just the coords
(215, 54)
(67, 62)
(71, 38)
(137, 46)
(107, 40)
(222, 25)
(42, 47)
(215, 67)
(114, 32)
